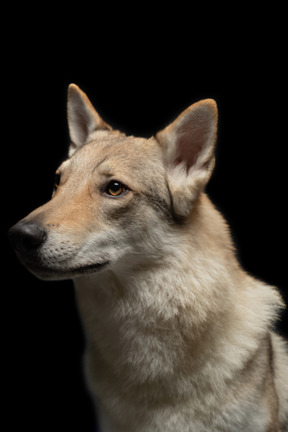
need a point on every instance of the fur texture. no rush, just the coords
(179, 336)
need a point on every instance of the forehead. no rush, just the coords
(118, 152)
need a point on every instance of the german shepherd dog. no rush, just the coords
(179, 336)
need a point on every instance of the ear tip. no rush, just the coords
(72, 86)
(73, 89)
(211, 105)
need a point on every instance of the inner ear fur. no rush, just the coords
(188, 145)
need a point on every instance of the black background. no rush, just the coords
(139, 85)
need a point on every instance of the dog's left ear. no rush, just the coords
(83, 119)
(188, 148)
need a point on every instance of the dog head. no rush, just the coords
(117, 197)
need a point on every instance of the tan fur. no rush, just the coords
(179, 336)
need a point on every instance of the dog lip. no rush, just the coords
(89, 268)
(46, 271)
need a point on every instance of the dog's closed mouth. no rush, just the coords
(89, 268)
(47, 272)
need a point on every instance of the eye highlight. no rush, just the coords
(116, 189)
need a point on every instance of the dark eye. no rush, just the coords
(56, 181)
(115, 188)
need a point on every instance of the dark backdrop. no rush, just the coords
(139, 90)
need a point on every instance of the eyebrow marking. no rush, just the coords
(99, 163)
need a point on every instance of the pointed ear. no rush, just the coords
(83, 119)
(188, 148)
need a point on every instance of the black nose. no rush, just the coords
(27, 236)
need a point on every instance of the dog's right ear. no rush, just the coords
(83, 119)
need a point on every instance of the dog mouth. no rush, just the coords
(63, 272)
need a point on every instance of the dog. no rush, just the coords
(179, 336)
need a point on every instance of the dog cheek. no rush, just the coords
(135, 227)
(146, 231)
(119, 213)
